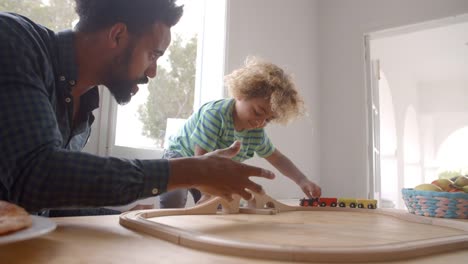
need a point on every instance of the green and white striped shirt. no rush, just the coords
(212, 127)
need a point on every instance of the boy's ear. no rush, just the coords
(117, 35)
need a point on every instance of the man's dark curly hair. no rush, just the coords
(138, 15)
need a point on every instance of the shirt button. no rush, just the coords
(72, 82)
(67, 100)
(155, 191)
(62, 78)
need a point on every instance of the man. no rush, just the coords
(47, 92)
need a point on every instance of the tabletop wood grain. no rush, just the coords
(100, 239)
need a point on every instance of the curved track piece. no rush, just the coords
(265, 205)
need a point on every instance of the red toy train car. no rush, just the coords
(322, 202)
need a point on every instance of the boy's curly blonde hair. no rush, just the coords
(259, 78)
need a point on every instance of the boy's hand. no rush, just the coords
(217, 174)
(311, 189)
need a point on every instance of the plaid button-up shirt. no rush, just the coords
(41, 165)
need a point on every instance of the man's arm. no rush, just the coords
(198, 152)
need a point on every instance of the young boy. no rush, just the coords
(262, 93)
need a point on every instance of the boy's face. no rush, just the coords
(252, 113)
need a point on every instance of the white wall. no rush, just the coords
(284, 32)
(343, 131)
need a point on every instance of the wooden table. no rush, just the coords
(100, 239)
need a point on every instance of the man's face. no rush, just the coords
(137, 62)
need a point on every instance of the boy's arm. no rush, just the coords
(287, 167)
(199, 151)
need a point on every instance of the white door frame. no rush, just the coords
(372, 105)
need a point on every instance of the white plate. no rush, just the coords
(40, 226)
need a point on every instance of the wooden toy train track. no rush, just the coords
(268, 229)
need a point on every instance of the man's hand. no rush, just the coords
(205, 197)
(217, 174)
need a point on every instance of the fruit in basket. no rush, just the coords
(428, 187)
(461, 181)
(465, 188)
(444, 184)
(455, 190)
(454, 178)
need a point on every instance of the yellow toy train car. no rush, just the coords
(367, 203)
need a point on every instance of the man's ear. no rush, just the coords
(117, 35)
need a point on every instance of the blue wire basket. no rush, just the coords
(436, 204)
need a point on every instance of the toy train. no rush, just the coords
(341, 202)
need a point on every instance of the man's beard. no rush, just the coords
(118, 83)
(121, 88)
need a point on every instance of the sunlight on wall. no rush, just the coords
(453, 152)
(388, 137)
(412, 169)
(388, 144)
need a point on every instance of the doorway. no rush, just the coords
(417, 112)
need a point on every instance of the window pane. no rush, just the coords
(129, 127)
(54, 14)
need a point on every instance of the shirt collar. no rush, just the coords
(66, 60)
(68, 71)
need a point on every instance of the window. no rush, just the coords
(54, 14)
(189, 74)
